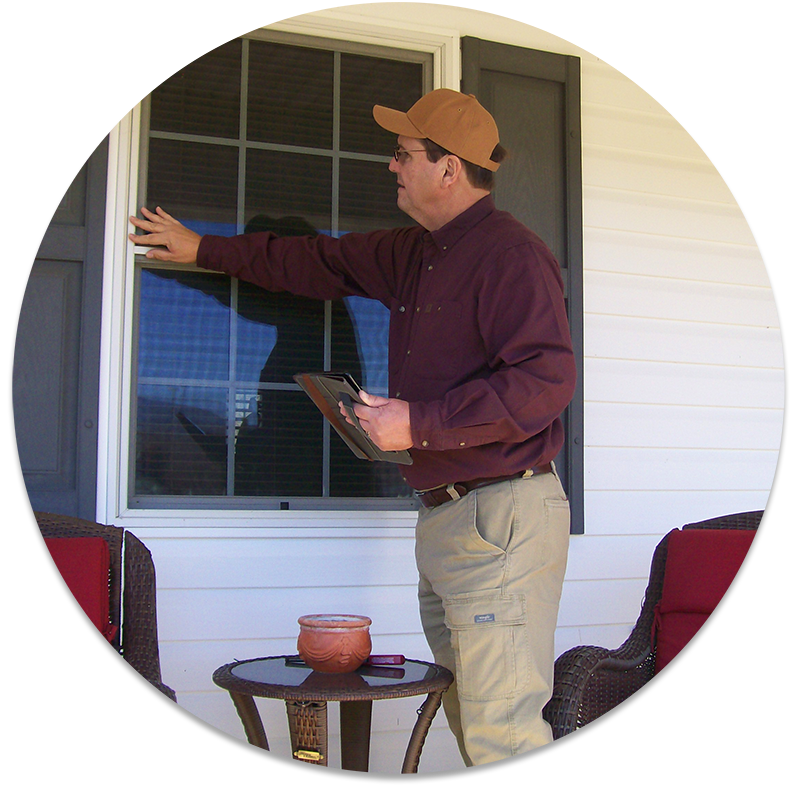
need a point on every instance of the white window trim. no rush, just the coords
(118, 309)
(321, 21)
(116, 323)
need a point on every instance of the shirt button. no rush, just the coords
(397, 395)
(408, 352)
(430, 266)
(402, 309)
(424, 443)
(462, 443)
(444, 247)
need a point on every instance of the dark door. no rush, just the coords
(535, 99)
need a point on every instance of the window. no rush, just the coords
(262, 134)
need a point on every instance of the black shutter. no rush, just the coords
(535, 98)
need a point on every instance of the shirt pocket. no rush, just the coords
(439, 340)
(490, 639)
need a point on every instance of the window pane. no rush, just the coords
(295, 185)
(354, 478)
(279, 445)
(368, 197)
(360, 343)
(181, 444)
(202, 403)
(195, 182)
(203, 97)
(290, 95)
(279, 335)
(368, 81)
(183, 325)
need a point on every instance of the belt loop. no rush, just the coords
(452, 492)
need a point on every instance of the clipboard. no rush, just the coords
(327, 390)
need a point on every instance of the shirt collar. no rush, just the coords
(449, 234)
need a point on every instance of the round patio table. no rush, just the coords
(307, 693)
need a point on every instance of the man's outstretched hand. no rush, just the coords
(385, 420)
(179, 243)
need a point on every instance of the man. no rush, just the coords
(480, 367)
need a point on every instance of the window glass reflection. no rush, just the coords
(184, 321)
(279, 446)
(181, 441)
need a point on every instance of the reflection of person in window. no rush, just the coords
(275, 455)
(480, 367)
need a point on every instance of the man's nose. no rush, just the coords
(393, 165)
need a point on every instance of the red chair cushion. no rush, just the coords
(84, 565)
(723, 710)
(701, 564)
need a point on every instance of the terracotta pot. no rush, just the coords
(334, 643)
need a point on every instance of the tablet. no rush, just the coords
(327, 390)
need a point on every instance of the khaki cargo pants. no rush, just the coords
(491, 567)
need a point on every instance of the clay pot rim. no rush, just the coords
(335, 622)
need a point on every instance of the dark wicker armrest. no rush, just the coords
(139, 625)
(590, 681)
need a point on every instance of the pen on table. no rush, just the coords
(385, 660)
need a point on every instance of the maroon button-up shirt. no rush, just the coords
(479, 342)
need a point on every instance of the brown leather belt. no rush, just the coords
(444, 493)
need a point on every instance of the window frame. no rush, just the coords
(244, 145)
(116, 392)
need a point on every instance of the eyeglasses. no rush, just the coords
(399, 151)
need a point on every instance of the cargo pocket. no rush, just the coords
(490, 640)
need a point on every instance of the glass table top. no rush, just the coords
(290, 671)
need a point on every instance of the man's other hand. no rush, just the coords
(179, 243)
(386, 421)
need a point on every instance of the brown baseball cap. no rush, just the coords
(454, 121)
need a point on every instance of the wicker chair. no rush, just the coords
(590, 681)
(132, 591)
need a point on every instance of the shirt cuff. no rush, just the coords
(206, 251)
(423, 424)
(428, 431)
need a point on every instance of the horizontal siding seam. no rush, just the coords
(656, 235)
(632, 112)
(660, 195)
(705, 202)
(652, 156)
(679, 278)
(728, 243)
(681, 405)
(662, 490)
(704, 364)
(702, 449)
(606, 579)
(288, 588)
(687, 322)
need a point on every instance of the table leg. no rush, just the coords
(308, 728)
(355, 719)
(251, 720)
(424, 718)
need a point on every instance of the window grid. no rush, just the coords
(239, 391)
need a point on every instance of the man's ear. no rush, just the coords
(453, 168)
